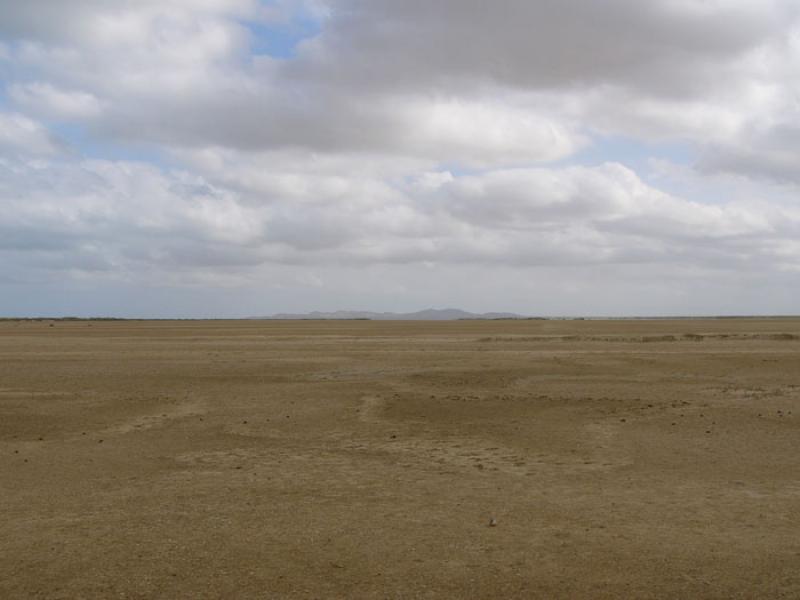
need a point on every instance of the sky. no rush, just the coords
(230, 158)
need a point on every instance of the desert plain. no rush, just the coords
(358, 459)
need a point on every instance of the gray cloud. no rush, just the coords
(666, 46)
(454, 82)
(771, 154)
(405, 135)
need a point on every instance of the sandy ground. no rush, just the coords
(646, 459)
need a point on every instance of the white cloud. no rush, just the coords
(481, 133)
(404, 135)
(419, 79)
(18, 133)
(47, 100)
(140, 217)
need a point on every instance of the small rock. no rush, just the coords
(492, 522)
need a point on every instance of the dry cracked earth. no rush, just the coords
(486, 459)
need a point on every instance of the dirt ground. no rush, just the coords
(642, 459)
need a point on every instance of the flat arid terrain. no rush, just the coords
(469, 459)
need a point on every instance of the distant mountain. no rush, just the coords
(430, 314)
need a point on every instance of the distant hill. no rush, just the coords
(430, 314)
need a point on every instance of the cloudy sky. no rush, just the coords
(550, 157)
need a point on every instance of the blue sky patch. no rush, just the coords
(280, 40)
